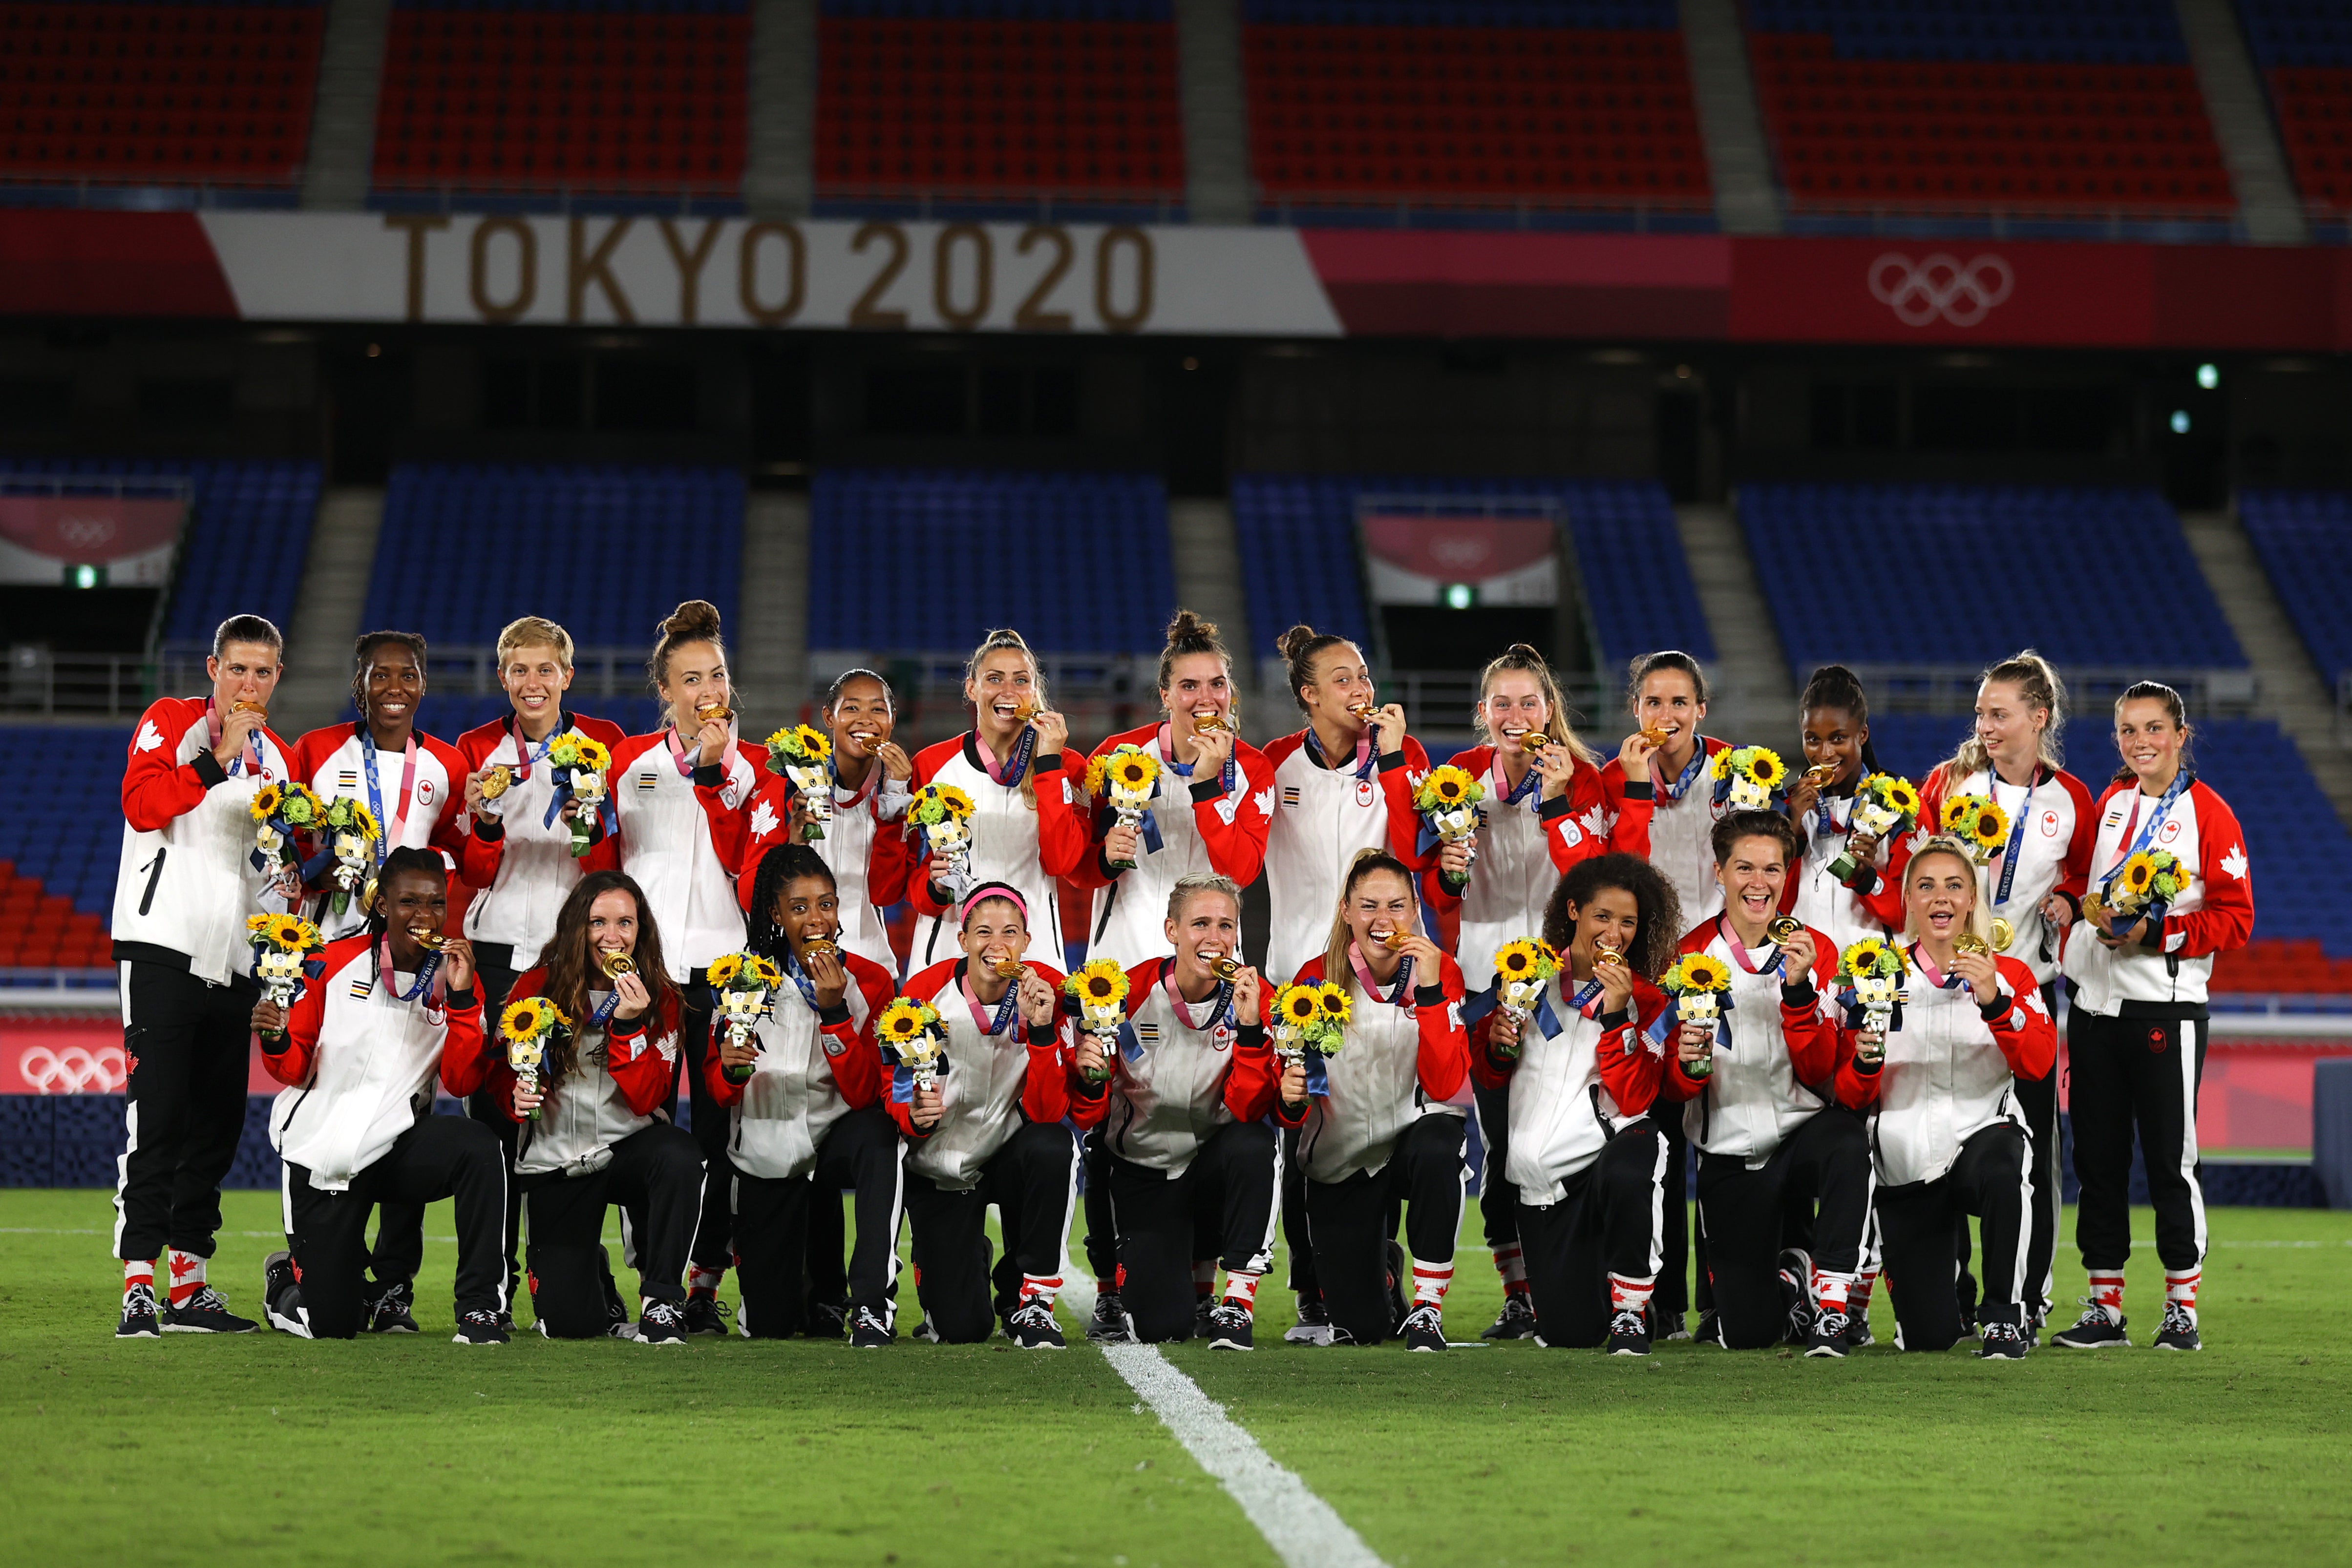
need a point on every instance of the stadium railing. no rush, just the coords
(1952, 688)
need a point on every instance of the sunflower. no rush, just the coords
(1333, 1001)
(2139, 874)
(1899, 796)
(524, 1018)
(1095, 765)
(1516, 961)
(811, 743)
(1098, 983)
(259, 926)
(1132, 770)
(1299, 1005)
(593, 756)
(1991, 828)
(900, 1022)
(1765, 767)
(1550, 954)
(363, 821)
(286, 931)
(723, 970)
(266, 801)
(1699, 972)
(762, 972)
(1721, 767)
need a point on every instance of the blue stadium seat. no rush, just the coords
(69, 842)
(1299, 546)
(1075, 562)
(467, 548)
(2304, 538)
(2089, 576)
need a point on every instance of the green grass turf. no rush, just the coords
(268, 1449)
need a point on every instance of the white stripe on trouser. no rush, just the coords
(2024, 1227)
(130, 1113)
(1658, 1208)
(2192, 1040)
(504, 1176)
(898, 1208)
(286, 1201)
(1262, 1261)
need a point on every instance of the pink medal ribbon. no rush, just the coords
(1402, 996)
(1217, 1006)
(252, 740)
(1005, 1009)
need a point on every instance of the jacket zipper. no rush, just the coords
(154, 869)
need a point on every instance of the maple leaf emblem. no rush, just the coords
(1600, 822)
(2033, 999)
(149, 738)
(1264, 802)
(763, 819)
(2235, 863)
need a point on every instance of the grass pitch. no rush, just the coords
(267, 1449)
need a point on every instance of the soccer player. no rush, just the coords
(1834, 717)
(186, 886)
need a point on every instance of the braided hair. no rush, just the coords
(1838, 689)
(782, 865)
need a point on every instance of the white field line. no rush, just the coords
(1304, 1531)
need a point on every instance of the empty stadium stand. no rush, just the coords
(58, 848)
(974, 104)
(467, 548)
(2094, 576)
(2304, 538)
(2303, 50)
(528, 98)
(1539, 109)
(1079, 562)
(158, 93)
(1298, 548)
(2083, 111)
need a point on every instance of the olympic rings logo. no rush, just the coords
(73, 1070)
(1940, 288)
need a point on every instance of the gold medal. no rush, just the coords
(2003, 934)
(497, 781)
(1657, 737)
(1607, 956)
(1394, 941)
(1210, 723)
(1007, 967)
(1969, 941)
(1821, 775)
(1783, 926)
(616, 964)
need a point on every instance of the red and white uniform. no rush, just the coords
(1322, 817)
(1402, 1059)
(1574, 1090)
(682, 833)
(1833, 908)
(2215, 914)
(1192, 1074)
(1522, 851)
(1030, 849)
(522, 876)
(359, 1064)
(2053, 825)
(1203, 828)
(420, 794)
(814, 1068)
(862, 847)
(994, 1083)
(186, 884)
(1949, 1073)
(620, 1075)
(1678, 834)
(1775, 1061)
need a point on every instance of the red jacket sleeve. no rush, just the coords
(294, 1059)
(463, 1064)
(1630, 1067)
(1630, 801)
(1089, 873)
(2226, 920)
(858, 1068)
(155, 786)
(2075, 878)
(1443, 1059)
(2025, 1032)
(731, 826)
(1255, 1078)
(1569, 819)
(1237, 848)
(888, 861)
(1812, 1034)
(1400, 774)
(1064, 840)
(919, 863)
(1045, 1086)
(724, 1090)
(633, 1057)
(767, 822)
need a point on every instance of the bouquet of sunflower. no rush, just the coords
(1700, 984)
(1522, 969)
(527, 1026)
(1309, 1020)
(1099, 989)
(279, 812)
(1749, 777)
(1884, 805)
(1976, 822)
(2146, 885)
(913, 1039)
(1871, 973)
(1448, 803)
(352, 835)
(282, 949)
(744, 985)
(577, 764)
(800, 753)
(941, 819)
(1126, 777)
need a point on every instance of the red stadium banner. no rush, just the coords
(132, 537)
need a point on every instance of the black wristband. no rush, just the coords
(1206, 792)
(1640, 790)
(1429, 996)
(837, 1013)
(489, 829)
(1995, 1009)
(708, 775)
(208, 768)
(1798, 996)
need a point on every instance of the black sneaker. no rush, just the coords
(390, 1312)
(1828, 1336)
(825, 1320)
(1629, 1334)
(1858, 1331)
(1230, 1327)
(1796, 1268)
(2095, 1329)
(205, 1313)
(1423, 1328)
(140, 1319)
(1313, 1325)
(869, 1330)
(279, 1304)
(1516, 1321)
(662, 1322)
(2000, 1341)
(705, 1315)
(1108, 1325)
(1205, 1314)
(1031, 1327)
(1399, 1275)
(1669, 1326)
(479, 1327)
(925, 1332)
(2179, 1330)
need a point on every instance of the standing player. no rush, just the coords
(2035, 885)
(2137, 1032)
(1546, 811)
(183, 893)
(1343, 784)
(1833, 716)
(1025, 832)
(682, 794)
(1380, 1133)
